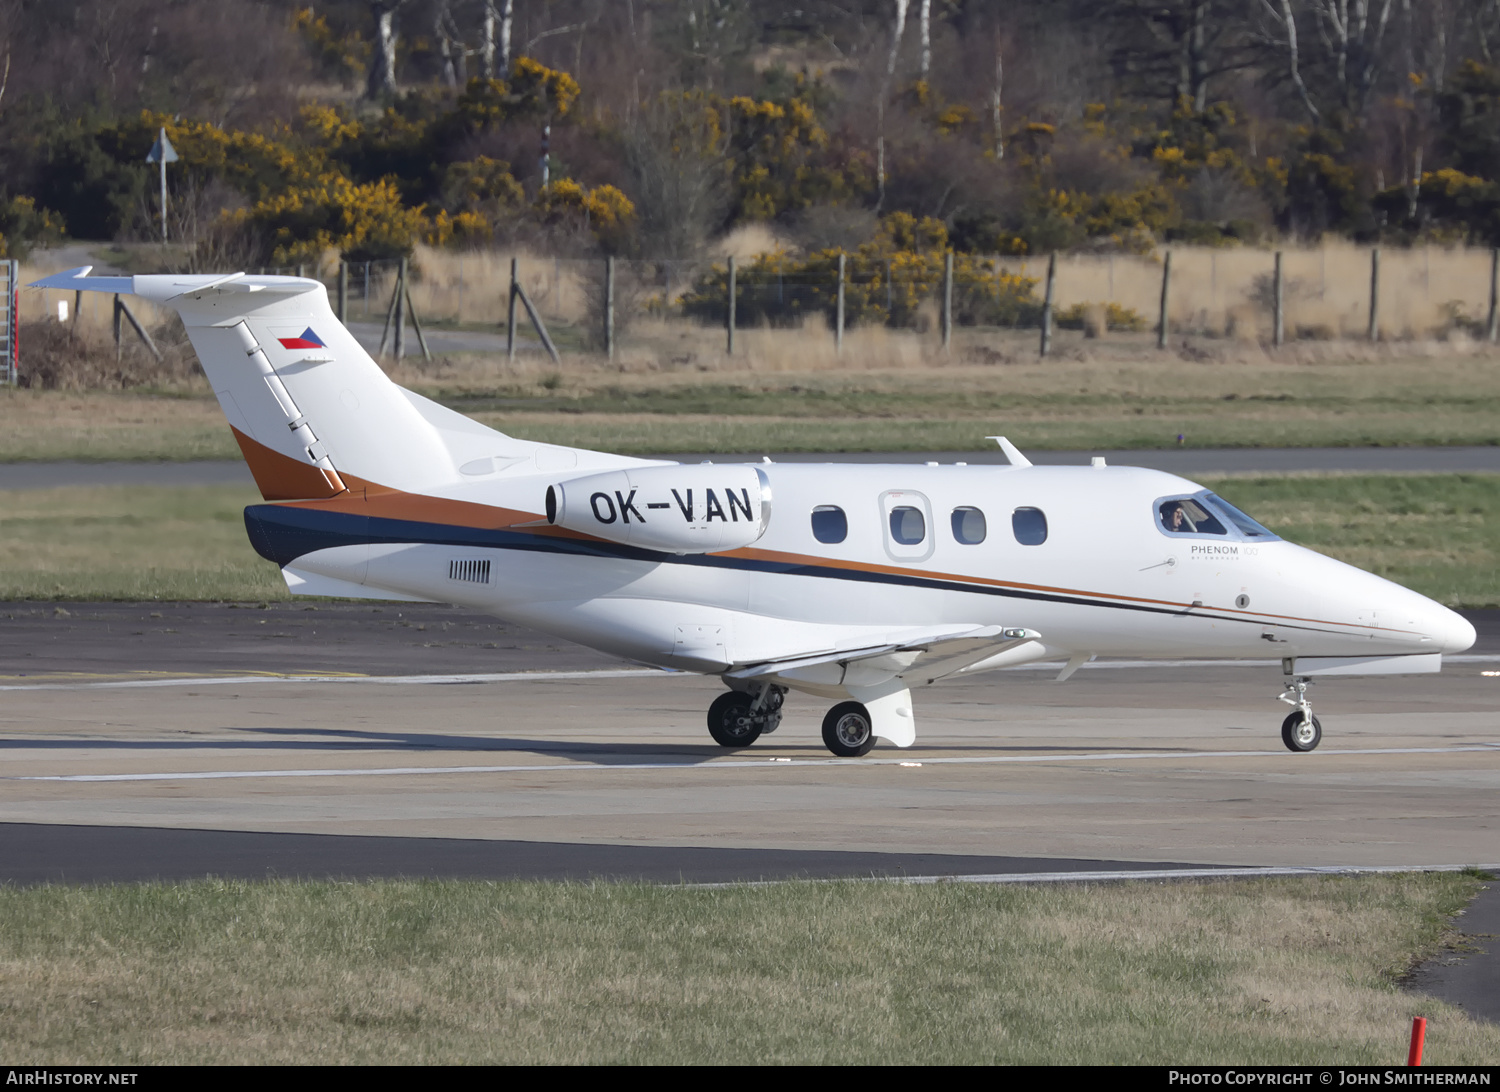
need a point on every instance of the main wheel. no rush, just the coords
(730, 721)
(1301, 734)
(848, 731)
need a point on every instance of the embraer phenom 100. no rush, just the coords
(853, 583)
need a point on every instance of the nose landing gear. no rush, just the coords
(1300, 731)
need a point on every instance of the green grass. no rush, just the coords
(132, 542)
(922, 405)
(1438, 534)
(1265, 972)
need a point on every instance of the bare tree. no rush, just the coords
(1282, 36)
(679, 164)
(924, 23)
(997, 104)
(382, 78)
(492, 20)
(897, 30)
(450, 44)
(1353, 31)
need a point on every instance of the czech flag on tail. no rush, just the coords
(308, 340)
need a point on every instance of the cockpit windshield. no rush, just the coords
(1247, 526)
(1187, 516)
(1206, 514)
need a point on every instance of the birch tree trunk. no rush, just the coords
(996, 102)
(507, 16)
(1286, 32)
(885, 90)
(487, 42)
(382, 79)
(925, 25)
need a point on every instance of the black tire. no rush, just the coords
(730, 722)
(1299, 736)
(848, 730)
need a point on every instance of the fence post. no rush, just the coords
(343, 291)
(1047, 304)
(1166, 283)
(609, 307)
(118, 307)
(730, 323)
(1373, 333)
(510, 314)
(400, 330)
(1279, 329)
(838, 323)
(947, 301)
(1492, 328)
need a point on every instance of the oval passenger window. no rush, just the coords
(968, 526)
(907, 525)
(1030, 526)
(829, 524)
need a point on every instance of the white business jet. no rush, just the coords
(857, 584)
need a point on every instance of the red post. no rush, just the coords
(1418, 1034)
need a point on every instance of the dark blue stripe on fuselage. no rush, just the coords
(283, 534)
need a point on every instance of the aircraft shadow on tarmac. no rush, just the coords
(355, 740)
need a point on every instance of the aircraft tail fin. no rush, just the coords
(312, 412)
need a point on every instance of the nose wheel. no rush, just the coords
(1300, 731)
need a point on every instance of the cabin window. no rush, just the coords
(908, 526)
(1185, 516)
(829, 524)
(1030, 526)
(968, 526)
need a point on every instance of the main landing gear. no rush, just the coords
(1301, 731)
(738, 719)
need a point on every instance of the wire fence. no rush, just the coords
(1320, 293)
(684, 311)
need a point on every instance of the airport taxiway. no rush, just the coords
(444, 736)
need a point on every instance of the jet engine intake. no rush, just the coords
(677, 509)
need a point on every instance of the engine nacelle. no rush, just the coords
(677, 509)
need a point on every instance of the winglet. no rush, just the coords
(1012, 455)
(79, 281)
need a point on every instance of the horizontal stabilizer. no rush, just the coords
(78, 280)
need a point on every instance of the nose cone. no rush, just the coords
(1452, 632)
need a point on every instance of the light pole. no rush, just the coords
(162, 153)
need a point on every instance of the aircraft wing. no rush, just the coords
(921, 655)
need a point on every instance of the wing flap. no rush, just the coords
(925, 654)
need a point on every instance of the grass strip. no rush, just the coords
(1270, 972)
(922, 406)
(132, 543)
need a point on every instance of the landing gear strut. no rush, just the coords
(738, 719)
(1301, 731)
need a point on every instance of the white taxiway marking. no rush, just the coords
(410, 680)
(607, 673)
(735, 764)
(1142, 874)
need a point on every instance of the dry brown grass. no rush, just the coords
(1266, 972)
